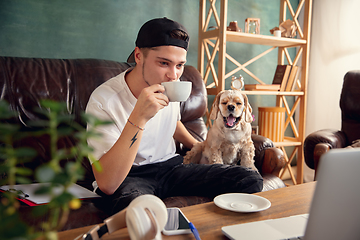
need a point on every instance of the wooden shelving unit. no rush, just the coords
(212, 44)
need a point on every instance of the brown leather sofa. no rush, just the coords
(24, 81)
(321, 141)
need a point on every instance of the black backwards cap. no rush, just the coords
(157, 32)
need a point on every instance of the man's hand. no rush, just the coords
(150, 101)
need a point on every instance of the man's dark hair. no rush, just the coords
(179, 34)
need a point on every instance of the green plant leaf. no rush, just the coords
(5, 111)
(25, 152)
(4, 167)
(23, 180)
(39, 123)
(40, 210)
(62, 179)
(65, 131)
(62, 199)
(44, 173)
(74, 170)
(97, 166)
(24, 171)
(43, 190)
(53, 105)
(94, 121)
(65, 118)
(8, 129)
(55, 122)
(14, 229)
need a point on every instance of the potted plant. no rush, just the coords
(55, 123)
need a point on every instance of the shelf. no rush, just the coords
(277, 93)
(287, 143)
(212, 91)
(249, 38)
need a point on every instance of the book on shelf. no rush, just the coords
(294, 74)
(262, 87)
(282, 75)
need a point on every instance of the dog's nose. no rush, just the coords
(231, 107)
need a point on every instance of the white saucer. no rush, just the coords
(242, 202)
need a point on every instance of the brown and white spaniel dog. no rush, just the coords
(229, 139)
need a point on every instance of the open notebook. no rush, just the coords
(335, 208)
(29, 197)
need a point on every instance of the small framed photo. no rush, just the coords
(252, 25)
(255, 130)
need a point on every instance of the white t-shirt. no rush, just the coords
(114, 101)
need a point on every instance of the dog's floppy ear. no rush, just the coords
(215, 106)
(248, 110)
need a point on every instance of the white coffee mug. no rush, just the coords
(178, 91)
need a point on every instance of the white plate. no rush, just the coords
(242, 202)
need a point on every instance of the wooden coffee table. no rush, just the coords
(208, 218)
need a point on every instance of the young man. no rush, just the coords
(137, 152)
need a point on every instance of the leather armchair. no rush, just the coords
(321, 141)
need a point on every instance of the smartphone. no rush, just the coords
(177, 223)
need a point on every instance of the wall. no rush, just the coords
(103, 29)
(335, 49)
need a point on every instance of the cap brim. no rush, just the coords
(131, 58)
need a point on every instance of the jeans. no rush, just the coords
(172, 178)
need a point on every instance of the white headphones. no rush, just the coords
(145, 217)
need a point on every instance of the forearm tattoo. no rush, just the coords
(133, 140)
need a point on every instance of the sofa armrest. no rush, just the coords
(319, 142)
(268, 159)
(319, 150)
(274, 161)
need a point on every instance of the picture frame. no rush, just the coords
(255, 130)
(252, 24)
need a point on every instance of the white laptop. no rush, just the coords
(334, 212)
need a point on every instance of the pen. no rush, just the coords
(20, 193)
(194, 231)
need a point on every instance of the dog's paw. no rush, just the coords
(187, 159)
(216, 160)
(251, 165)
(194, 155)
(255, 169)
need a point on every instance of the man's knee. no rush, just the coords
(128, 191)
(247, 180)
(120, 202)
(255, 184)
